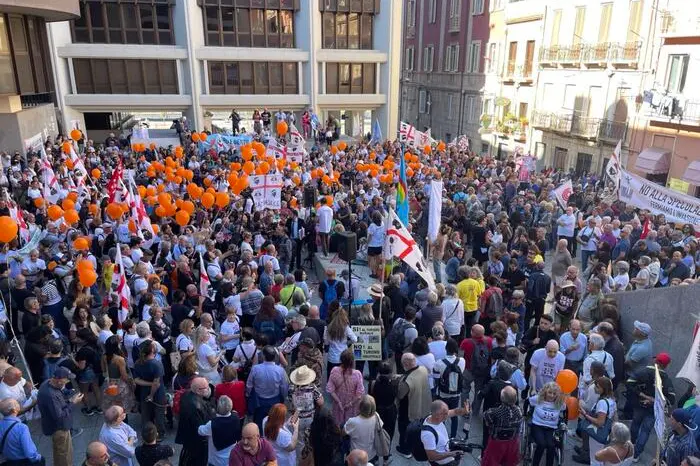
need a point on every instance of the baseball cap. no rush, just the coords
(643, 327)
(683, 416)
(663, 358)
(61, 373)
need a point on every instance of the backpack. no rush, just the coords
(244, 371)
(396, 338)
(331, 293)
(450, 381)
(493, 307)
(480, 358)
(413, 433)
(177, 396)
(51, 366)
(268, 328)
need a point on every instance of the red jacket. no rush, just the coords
(236, 391)
(468, 347)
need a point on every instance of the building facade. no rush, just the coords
(592, 64)
(442, 73)
(203, 58)
(664, 143)
(27, 97)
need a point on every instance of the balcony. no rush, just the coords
(518, 73)
(584, 127)
(612, 131)
(35, 100)
(674, 109)
(580, 126)
(615, 54)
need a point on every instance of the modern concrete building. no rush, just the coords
(27, 98)
(592, 62)
(443, 66)
(664, 143)
(159, 59)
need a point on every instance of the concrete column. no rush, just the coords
(189, 31)
(387, 38)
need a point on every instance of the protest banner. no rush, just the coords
(267, 191)
(369, 342)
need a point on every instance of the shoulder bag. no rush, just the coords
(382, 440)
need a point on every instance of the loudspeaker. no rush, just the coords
(309, 196)
(347, 247)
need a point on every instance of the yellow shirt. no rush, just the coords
(468, 291)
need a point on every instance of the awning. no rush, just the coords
(692, 173)
(653, 161)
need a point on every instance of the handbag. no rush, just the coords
(382, 440)
(599, 434)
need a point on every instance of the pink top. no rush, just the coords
(349, 388)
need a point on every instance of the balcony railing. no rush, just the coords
(674, 109)
(612, 131)
(585, 127)
(515, 72)
(580, 126)
(510, 68)
(35, 100)
(613, 53)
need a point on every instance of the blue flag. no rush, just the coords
(402, 191)
(376, 133)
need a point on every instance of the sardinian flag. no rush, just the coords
(296, 139)
(275, 149)
(612, 169)
(407, 133)
(399, 243)
(138, 211)
(204, 282)
(115, 182)
(48, 178)
(122, 287)
(461, 143)
(16, 213)
(563, 192)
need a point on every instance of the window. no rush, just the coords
(455, 7)
(470, 109)
(677, 71)
(7, 75)
(635, 21)
(522, 110)
(347, 30)
(422, 101)
(248, 24)
(561, 155)
(452, 58)
(408, 63)
(432, 10)
(578, 25)
(529, 58)
(569, 96)
(474, 57)
(477, 7)
(492, 58)
(137, 22)
(411, 13)
(605, 19)
(350, 78)
(428, 58)
(252, 77)
(117, 76)
(486, 107)
(583, 163)
(556, 25)
(450, 109)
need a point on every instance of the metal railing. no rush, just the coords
(612, 130)
(585, 127)
(620, 53)
(35, 100)
(580, 126)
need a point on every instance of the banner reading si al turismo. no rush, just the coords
(677, 208)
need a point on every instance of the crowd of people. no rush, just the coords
(226, 340)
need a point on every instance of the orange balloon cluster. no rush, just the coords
(71, 216)
(8, 229)
(86, 273)
(138, 146)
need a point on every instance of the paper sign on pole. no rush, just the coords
(659, 406)
(434, 210)
(369, 342)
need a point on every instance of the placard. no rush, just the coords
(369, 342)
(678, 185)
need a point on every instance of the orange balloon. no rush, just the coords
(87, 277)
(8, 229)
(96, 173)
(114, 210)
(203, 136)
(280, 164)
(249, 167)
(156, 228)
(441, 146)
(296, 180)
(207, 200)
(54, 212)
(76, 135)
(572, 407)
(84, 264)
(567, 381)
(164, 198)
(259, 148)
(69, 164)
(207, 182)
(160, 211)
(264, 168)
(132, 225)
(329, 200)
(71, 217)
(65, 147)
(151, 191)
(221, 200)
(195, 137)
(235, 166)
(73, 196)
(342, 145)
(81, 244)
(327, 180)
(39, 202)
(334, 150)
(188, 206)
(427, 149)
(182, 218)
(241, 185)
(282, 128)
(67, 204)
(247, 152)
(293, 202)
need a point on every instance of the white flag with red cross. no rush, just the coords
(122, 289)
(204, 282)
(400, 244)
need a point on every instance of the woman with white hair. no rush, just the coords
(453, 313)
(622, 278)
(207, 358)
(620, 451)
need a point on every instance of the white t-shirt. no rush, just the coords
(284, 440)
(184, 343)
(453, 315)
(361, 431)
(245, 349)
(546, 368)
(566, 227)
(439, 446)
(427, 361)
(377, 233)
(203, 353)
(545, 414)
(129, 340)
(621, 281)
(230, 328)
(234, 301)
(325, 219)
(602, 407)
(437, 348)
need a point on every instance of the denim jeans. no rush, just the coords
(642, 423)
(437, 266)
(452, 402)
(585, 255)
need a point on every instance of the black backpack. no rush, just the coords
(413, 433)
(450, 381)
(396, 338)
(481, 358)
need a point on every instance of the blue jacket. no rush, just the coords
(56, 412)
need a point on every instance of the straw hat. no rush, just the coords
(568, 284)
(302, 375)
(376, 290)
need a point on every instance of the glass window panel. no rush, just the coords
(213, 39)
(341, 31)
(331, 78)
(273, 28)
(83, 76)
(243, 20)
(368, 81)
(114, 21)
(129, 15)
(115, 36)
(20, 47)
(146, 12)
(117, 73)
(81, 35)
(291, 77)
(163, 17)
(168, 76)
(232, 78)
(257, 27)
(212, 15)
(328, 30)
(257, 3)
(7, 75)
(165, 37)
(228, 19)
(245, 3)
(287, 28)
(35, 43)
(152, 77)
(134, 73)
(262, 80)
(216, 74)
(100, 71)
(246, 77)
(355, 5)
(366, 32)
(344, 78)
(343, 5)
(287, 4)
(82, 20)
(96, 19)
(356, 78)
(353, 31)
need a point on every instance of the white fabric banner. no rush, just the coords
(644, 194)
(267, 191)
(691, 368)
(563, 192)
(434, 210)
(399, 243)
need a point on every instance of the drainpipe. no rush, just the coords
(461, 91)
(530, 128)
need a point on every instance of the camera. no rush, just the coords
(462, 445)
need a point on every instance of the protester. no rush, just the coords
(251, 449)
(222, 432)
(118, 437)
(195, 411)
(18, 447)
(414, 399)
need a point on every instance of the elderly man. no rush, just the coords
(252, 450)
(194, 412)
(430, 314)
(503, 421)
(290, 347)
(97, 455)
(615, 348)
(18, 446)
(588, 306)
(596, 345)
(574, 345)
(641, 350)
(545, 364)
(57, 415)
(477, 357)
(623, 246)
(269, 382)
(414, 399)
(434, 435)
(15, 387)
(222, 432)
(118, 437)
(357, 457)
